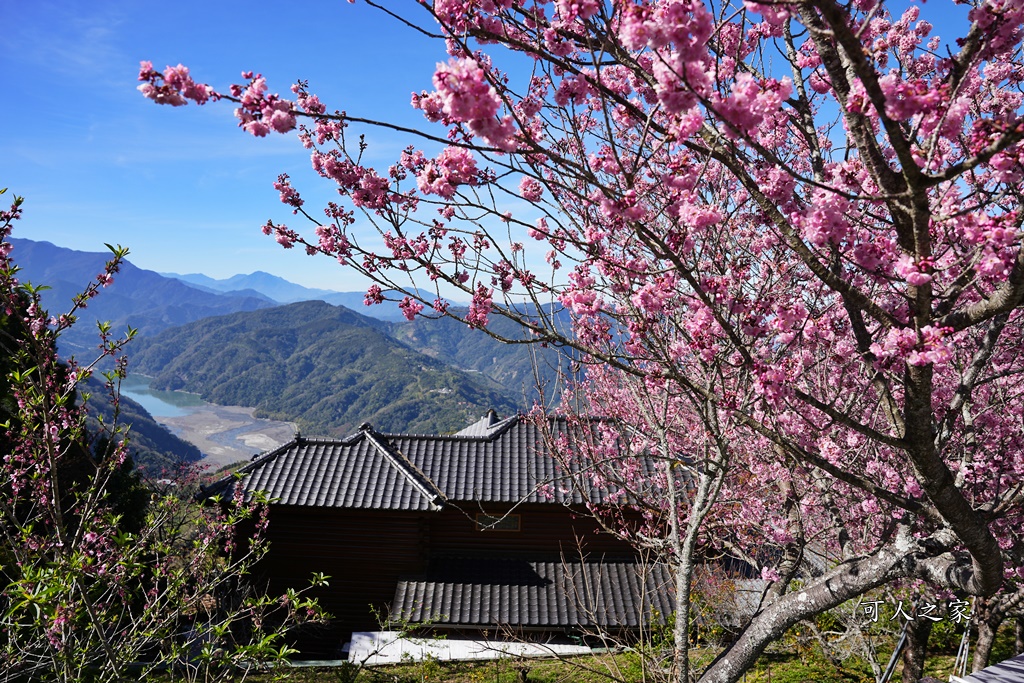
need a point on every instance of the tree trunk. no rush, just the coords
(915, 650)
(683, 548)
(1018, 635)
(841, 583)
(987, 629)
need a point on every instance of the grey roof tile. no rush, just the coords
(1008, 671)
(495, 592)
(490, 461)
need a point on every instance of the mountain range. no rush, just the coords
(446, 339)
(319, 364)
(138, 298)
(282, 291)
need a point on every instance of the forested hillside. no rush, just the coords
(327, 368)
(323, 366)
(517, 367)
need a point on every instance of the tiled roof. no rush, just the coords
(495, 461)
(486, 426)
(1009, 671)
(521, 593)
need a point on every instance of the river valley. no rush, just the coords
(224, 434)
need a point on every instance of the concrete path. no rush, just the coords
(374, 648)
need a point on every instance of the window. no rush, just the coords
(497, 522)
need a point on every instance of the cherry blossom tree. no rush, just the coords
(663, 454)
(794, 226)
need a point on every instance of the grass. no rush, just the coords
(781, 665)
(771, 668)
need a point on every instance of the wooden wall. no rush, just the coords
(362, 551)
(365, 552)
(548, 530)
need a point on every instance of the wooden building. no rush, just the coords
(471, 531)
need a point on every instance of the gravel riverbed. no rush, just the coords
(228, 434)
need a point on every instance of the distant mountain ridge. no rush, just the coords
(138, 298)
(303, 378)
(282, 291)
(269, 285)
(516, 367)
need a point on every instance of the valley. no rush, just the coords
(236, 366)
(224, 434)
(229, 434)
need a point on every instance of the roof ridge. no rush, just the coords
(436, 437)
(497, 430)
(416, 477)
(353, 438)
(551, 558)
(257, 461)
(345, 440)
(502, 426)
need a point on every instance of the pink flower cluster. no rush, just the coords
(333, 241)
(772, 384)
(857, 100)
(530, 189)
(751, 102)
(365, 187)
(289, 195)
(374, 296)
(678, 31)
(410, 307)
(582, 302)
(453, 167)
(932, 347)
(916, 273)
(540, 232)
(906, 99)
(570, 10)
(480, 307)
(775, 14)
(284, 235)
(935, 347)
(685, 25)
(997, 237)
(464, 95)
(260, 113)
(825, 220)
(174, 86)
(657, 296)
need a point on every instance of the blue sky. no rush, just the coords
(184, 188)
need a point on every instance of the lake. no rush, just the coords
(160, 403)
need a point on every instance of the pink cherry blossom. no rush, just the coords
(530, 189)
(410, 307)
(783, 242)
(480, 307)
(455, 166)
